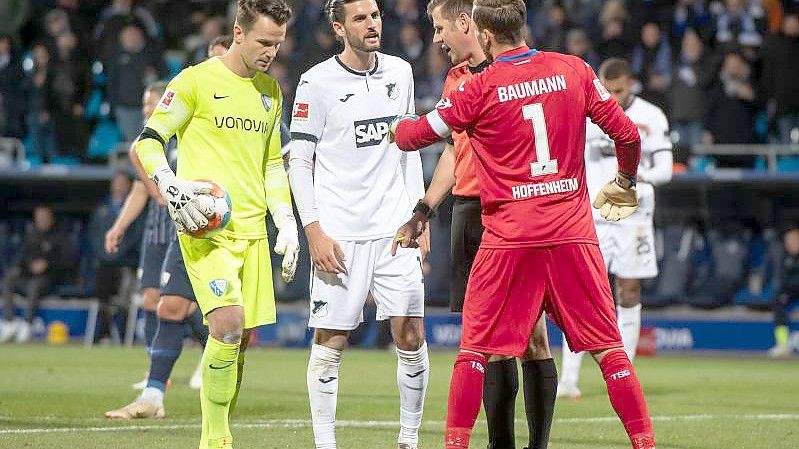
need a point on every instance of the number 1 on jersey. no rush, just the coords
(544, 165)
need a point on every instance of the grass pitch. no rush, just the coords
(54, 397)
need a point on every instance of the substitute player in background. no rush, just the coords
(226, 114)
(454, 31)
(628, 246)
(353, 190)
(177, 306)
(525, 115)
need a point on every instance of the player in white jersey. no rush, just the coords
(628, 246)
(353, 189)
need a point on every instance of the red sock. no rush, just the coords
(465, 397)
(627, 399)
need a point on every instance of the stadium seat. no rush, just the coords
(669, 287)
(104, 138)
(759, 289)
(720, 267)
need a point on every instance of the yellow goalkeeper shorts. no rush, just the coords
(226, 271)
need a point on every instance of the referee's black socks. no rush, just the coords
(540, 388)
(499, 400)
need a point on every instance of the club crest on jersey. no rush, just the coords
(166, 100)
(266, 100)
(218, 286)
(392, 91)
(371, 132)
(444, 103)
(300, 111)
(603, 93)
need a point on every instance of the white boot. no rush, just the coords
(24, 332)
(196, 381)
(8, 331)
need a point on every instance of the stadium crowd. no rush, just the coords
(72, 74)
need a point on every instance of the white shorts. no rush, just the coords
(628, 249)
(396, 284)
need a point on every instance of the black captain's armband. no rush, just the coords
(149, 133)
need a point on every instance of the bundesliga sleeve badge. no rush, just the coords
(300, 111)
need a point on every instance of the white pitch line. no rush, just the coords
(301, 423)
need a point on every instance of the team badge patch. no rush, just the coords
(392, 91)
(218, 286)
(267, 102)
(603, 93)
(300, 111)
(166, 100)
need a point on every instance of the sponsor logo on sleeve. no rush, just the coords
(300, 111)
(603, 93)
(444, 103)
(166, 100)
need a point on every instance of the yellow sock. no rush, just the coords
(239, 373)
(781, 335)
(219, 386)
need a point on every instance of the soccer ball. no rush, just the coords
(219, 201)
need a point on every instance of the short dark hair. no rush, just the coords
(334, 9)
(224, 40)
(615, 68)
(504, 18)
(249, 10)
(450, 9)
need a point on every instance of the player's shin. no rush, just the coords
(465, 392)
(323, 367)
(627, 398)
(166, 348)
(218, 387)
(499, 399)
(630, 328)
(245, 341)
(540, 387)
(413, 372)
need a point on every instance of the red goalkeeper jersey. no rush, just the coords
(525, 117)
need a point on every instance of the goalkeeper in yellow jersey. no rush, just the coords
(226, 114)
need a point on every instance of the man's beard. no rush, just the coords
(360, 44)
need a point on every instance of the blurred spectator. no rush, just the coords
(11, 82)
(129, 71)
(786, 291)
(780, 74)
(550, 32)
(56, 24)
(613, 39)
(578, 44)
(688, 14)
(430, 83)
(735, 24)
(651, 62)
(69, 76)
(411, 47)
(401, 13)
(46, 257)
(219, 45)
(212, 28)
(38, 90)
(116, 17)
(13, 16)
(584, 14)
(692, 75)
(115, 272)
(731, 104)
(309, 17)
(322, 47)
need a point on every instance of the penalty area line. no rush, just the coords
(302, 423)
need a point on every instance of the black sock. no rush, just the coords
(540, 387)
(150, 326)
(167, 345)
(198, 329)
(499, 400)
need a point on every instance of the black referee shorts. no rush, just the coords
(467, 231)
(174, 278)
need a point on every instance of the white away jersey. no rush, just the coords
(359, 178)
(600, 155)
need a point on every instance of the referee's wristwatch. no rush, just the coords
(424, 209)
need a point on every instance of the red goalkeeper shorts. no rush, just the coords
(508, 288)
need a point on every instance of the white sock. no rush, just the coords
(630, 328)
(152, 395)
(570, 369)
(413, 371)
(323, 393)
